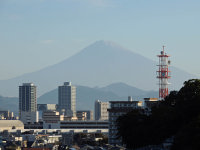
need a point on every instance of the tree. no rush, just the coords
(177, 115)
(127, 125)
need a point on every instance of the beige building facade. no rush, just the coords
(11, 124)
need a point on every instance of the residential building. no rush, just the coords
(149, 103)
(119, 108)
(67, 99)
(44, 107)
(81, 115)
(101, 112)
(89, 114)
(29, 117)
(51, 119)
(28, 103)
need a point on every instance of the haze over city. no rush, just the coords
(99, 74)
(39, 33)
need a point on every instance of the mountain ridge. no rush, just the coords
(86, 97)
(101, 63)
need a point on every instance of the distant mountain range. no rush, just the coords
(9, 103)
(86, 96)
(99, 64)
(122, 90)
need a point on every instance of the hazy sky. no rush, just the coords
(38, 33)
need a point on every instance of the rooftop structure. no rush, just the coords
(11, 124)
(44, 107)
(89, 114)
(81, 115)
(6, 115)
(84, 125)
(51, 119)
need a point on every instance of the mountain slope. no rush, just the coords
(101, 63)
(9, 103)
(122, 90)
(86, 96)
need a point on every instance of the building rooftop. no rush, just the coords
(11, 123)
(151, 99)
(124, 101)
(68, 83)
(28, 84)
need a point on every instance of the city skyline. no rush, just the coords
(52, 31)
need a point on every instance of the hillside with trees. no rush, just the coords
(177, 117)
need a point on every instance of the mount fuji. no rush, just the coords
(100, 64)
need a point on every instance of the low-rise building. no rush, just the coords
(51, 119)
(35, 125)
(11, 124)
(70, 118)
(81, 115)
(44, 107)
(119, 108)
(84, 124)
(150, 102)
(89, 114)
(29, 116)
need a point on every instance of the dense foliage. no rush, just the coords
(177, 116)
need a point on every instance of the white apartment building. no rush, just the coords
(101, 110)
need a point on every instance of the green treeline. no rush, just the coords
(177, 116)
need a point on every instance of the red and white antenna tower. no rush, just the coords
(163, 74)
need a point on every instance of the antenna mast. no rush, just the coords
(163, 74)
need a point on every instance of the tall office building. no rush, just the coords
(67, 99)
(28, 103)
(101, 112)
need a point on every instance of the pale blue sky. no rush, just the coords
(38, 33)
